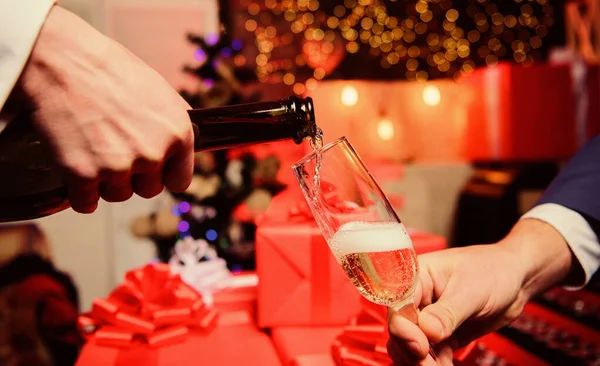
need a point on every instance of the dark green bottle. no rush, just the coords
(31, 184)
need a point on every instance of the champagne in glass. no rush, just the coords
(360, 226)
(379, 260)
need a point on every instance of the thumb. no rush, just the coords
(441, 319)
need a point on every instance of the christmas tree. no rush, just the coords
(226, 193)
(220, 69)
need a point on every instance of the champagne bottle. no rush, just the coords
(31, 184)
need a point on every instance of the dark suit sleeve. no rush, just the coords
(571, 204)
(577, 187)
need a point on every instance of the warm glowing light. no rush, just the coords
(251, 25)
(253, 9)
(299, 89)
(239, 60)
(349, 96)
(352, 47)
(289, 78)
(311, 84)
(385, 129)
(431, 95)
(366, 25)
(319, 73)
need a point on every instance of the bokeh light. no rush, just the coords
(422, 39)
(432, 95)
(349, 96)
(385, 129)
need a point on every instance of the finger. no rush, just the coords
(83, 194)
(148, 181)
(116, 187)
(399, 357)
(178, 171)
(440, 319)
(407, 335)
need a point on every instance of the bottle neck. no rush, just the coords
(246, 124)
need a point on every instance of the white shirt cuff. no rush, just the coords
(577, 233)
(20, 24)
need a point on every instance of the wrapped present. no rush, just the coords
(298, 345)
(151, 309)
(523, 114)
(154, 318)
(292, 254)
(300, 281)
(364, 340)
(585, 80)
(237, 317)
(313, 360)
(239, 296)
(225, 345)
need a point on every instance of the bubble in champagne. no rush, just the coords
(378, 258)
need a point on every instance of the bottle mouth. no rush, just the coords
(309, 108)
(306, 109)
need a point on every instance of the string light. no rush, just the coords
(184, 207)
(183, 226)
(211, 235)
(427, 39)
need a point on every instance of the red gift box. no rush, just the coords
(241, 295)
(154, 318)
(232, 345)
(298, 345)
(522, 113)
(301, 283)
(237, 303)
(313, 360)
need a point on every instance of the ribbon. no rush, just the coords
(152, 306)
(364, 341)
(364, 345)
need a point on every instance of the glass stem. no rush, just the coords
(410, 311)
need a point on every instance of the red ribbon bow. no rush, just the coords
(152, 306)
(364, 341)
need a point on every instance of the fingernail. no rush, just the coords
(415, 348)
(86, 209)
(431, 323)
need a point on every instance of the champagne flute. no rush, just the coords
(360, 226)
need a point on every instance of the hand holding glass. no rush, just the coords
(361, 228)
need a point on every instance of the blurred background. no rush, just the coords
(429, 92)
(463, 110)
